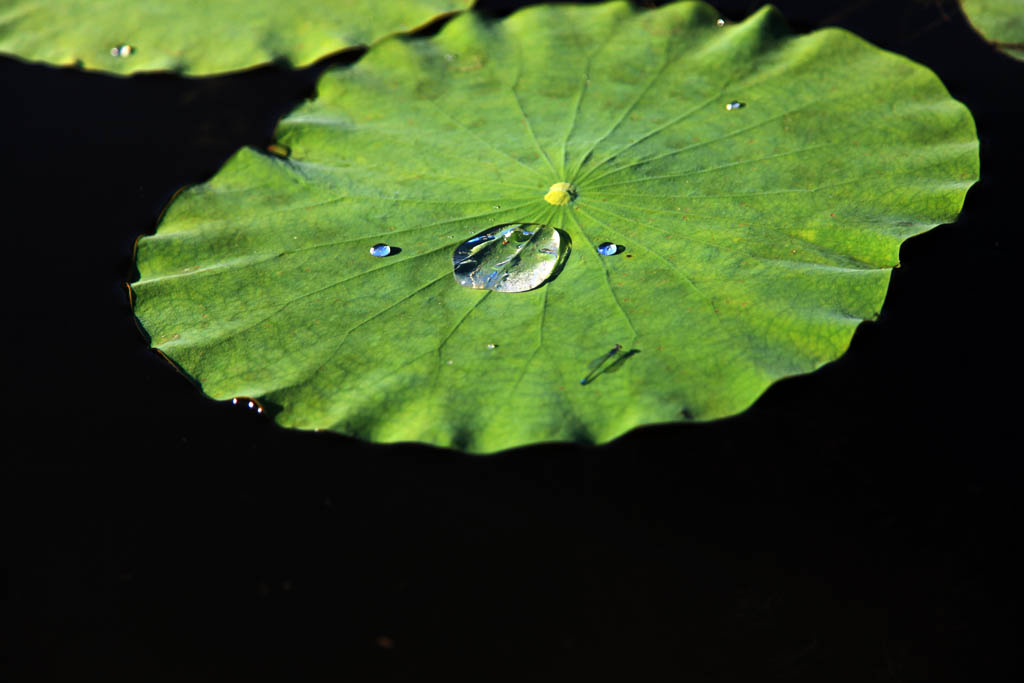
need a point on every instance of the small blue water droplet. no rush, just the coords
(608, 249)
(380, 250)
(735, 104)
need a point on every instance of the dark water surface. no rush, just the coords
(858, 524)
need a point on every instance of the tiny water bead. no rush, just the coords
(735, 104)
(608, 249)
(492, 346)
(720, 22)
(380, 250)
(514, 257)
(248, 403)
(560, 194)
(122, 50)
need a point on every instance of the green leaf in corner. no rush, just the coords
(754, 186)
(199, 38)
(1000, 22)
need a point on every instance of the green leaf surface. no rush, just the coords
(1000, 22)
(754, 239)
(202, 37)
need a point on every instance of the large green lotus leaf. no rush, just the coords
(202, 37)
(756, 238)
(1001, 22)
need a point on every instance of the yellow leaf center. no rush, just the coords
(560, 194)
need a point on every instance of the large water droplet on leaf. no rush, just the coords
(515, 257)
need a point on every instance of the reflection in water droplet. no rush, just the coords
(720, 22)
(380, 250)
(492, 346)
(122, 50)
(735, 104)
(608, 249)
(514, 257)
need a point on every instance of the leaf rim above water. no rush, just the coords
(999, 22)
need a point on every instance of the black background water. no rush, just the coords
(857, 524)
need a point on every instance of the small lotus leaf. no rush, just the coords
(202, 37)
